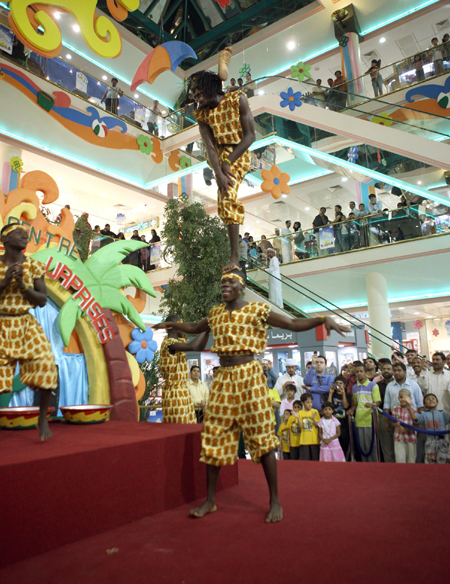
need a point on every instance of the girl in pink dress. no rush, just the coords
(329, 432)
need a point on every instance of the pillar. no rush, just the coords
(379, 316)
(9, 176)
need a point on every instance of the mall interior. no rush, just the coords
(98, 138)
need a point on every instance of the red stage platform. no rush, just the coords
(90, 479)
(343, 523)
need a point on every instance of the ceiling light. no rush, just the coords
(306, 208)
(68, 56)
(344, 179)
(417, 313)
(136, 96)
(104, 77)
(284, 196)
(419, 182)
(261, 92)
(104, 194)
(382, 40)
(57, 15)
(60, 179)
(257, 222)
(291, 45)
(76, 28)
(98, 82)
(164, 112)
(71, 71)
(402, 308)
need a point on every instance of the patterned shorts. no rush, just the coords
(239, 400)
(22, 340)
(230, 210)
(177, 405)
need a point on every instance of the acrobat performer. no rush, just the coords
(22, 287)
(239, 399)
(177, 405)
(227, 129)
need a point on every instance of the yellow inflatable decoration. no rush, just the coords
(99, 32)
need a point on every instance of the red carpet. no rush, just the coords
(89, 479)
(344, 523)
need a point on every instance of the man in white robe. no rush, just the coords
(275, 291)
(286, 245)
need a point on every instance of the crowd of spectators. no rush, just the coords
(146, 258)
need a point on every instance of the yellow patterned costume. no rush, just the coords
(21, 336)
(225, 123)
(177, 405)
(239, 398)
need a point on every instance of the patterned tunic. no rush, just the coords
(177, 404)
(225, 123)
(21, 336)
(239, 399)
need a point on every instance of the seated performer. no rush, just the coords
(238, 397)
(177, 404)
(227, 129)
(22, 339)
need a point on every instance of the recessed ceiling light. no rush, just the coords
(104, 77)
(261, 92)
(164, 112)
(419, 182)
(76, 28)
(136, 96)
(60, 179)
(284, 196)
(291, 45)
(306, 208)
(257, 222)
(382, 40)
(57, 15)
(417, 313)
(344, 179)
(402, 308)
(104, 194)
(68, 56)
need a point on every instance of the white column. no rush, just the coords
(379, 317)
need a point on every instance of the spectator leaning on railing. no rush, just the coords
(437, 56)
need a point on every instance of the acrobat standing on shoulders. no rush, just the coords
(177, 404)
(239, 400)
(22, 339)
(227, 129)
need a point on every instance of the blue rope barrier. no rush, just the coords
(357, 440)
(414, 428)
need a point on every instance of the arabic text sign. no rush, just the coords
(280, 337)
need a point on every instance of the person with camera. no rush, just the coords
(341, 401)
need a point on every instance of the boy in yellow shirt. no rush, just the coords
(295, 430)
(309, 440)
(283, 433)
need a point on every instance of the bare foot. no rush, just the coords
(224, 60)
(44, 430)
(204, 509)
(275, 512)
(231, 265)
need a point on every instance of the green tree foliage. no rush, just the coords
(82, 235)
(197, 244)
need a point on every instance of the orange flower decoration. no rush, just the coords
(275, 182)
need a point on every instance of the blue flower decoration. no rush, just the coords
(291, 99)
(353, 154)
(244, 70)
(142, 346)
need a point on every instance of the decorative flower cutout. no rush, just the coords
(275, 182)
(418, 324)
(16, 163)
(174, 160)
(245, 70)
(353, 154)
(145, 144)
(223, 3)
(343, 41)
(383, 120)
(435, 332)
(185, 162)
(291, 99)
(300, 71)
(142, 346)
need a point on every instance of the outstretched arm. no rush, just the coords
(197, 344)
(192, 328)
(305, 324)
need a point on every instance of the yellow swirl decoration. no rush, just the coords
(99, 32)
